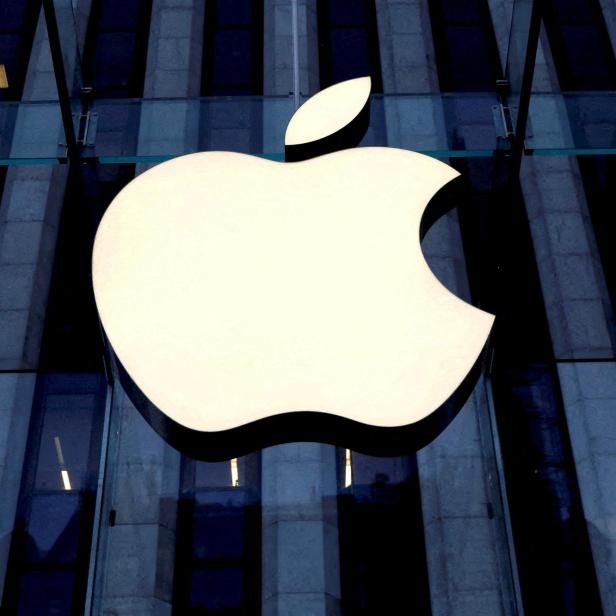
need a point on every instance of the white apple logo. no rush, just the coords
(294, 297)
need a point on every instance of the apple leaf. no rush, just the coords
(328, 112)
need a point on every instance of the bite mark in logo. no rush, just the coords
(251, 302)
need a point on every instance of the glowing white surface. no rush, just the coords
(234, 288)
(328, 111)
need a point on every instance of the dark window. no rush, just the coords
(233, 48)
(50, 547)
(116, 47)
(380, 526)
(17, 26)
(218, 546)
(466, 52)
(580, 45)
(348, 42)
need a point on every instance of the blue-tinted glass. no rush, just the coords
(347, 12)
(119, 14)
(53, 527)
(113, 59)
(468, 57)
(218, 589)
(234, 13)
(232, 57)
(46, 593)
(350, 56)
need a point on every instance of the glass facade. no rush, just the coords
(511, 509)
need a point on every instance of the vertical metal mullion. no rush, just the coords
(502, 489)
(60, 76)
(527, 82)
(98, 507)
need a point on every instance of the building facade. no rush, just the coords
(511, 510)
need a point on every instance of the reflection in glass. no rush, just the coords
(348, 42)
(218, 546)
(380, 525)
(51, 542)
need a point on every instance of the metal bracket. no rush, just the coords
(86, 133)
(503, 117)
(85, 125)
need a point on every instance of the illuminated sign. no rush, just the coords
(251, 302)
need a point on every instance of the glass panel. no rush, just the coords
(441, 125)
(31, 133)
(51, 537)
(572, 123)
(154, 130)
(191, 529)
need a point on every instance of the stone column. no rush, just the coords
(278, 77)
(589, 394)
(466, 544)
(408, 66)
(173, 71)
(29, 217)
(579, 313)
(405, 44)
(465, 541)
(300, 531)
(300, 522)
(137, 547)
(136, 557)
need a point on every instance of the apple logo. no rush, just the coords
(251, 302)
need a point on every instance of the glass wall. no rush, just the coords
(509, 510)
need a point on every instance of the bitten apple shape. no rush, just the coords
(236, 290)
